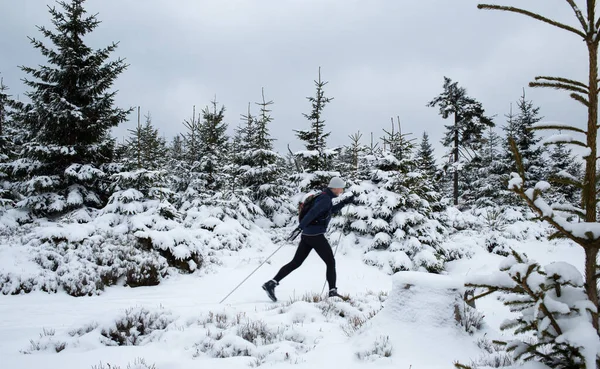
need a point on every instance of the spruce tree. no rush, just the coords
(425, 159)
(145, 148)
(316, 157)
(527, 142)
(7, 147)
(565, 173)
(465, 135)
(70, 115)
(484, 174)
(213, 146)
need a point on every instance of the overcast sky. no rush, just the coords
(382, 59)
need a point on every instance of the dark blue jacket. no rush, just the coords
(317, 219)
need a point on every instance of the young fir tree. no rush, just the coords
(425, 159)
(69, 118)
(7, 147)
(465, 135)
(527, 142)
(487, 182)
(395, 210)
(551, 299)
(145, 148)
(213, 147)
(316, 157)
(565, 172)
(191, 140)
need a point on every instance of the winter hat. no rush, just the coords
(336, 182)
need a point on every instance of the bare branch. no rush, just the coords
(559, 86)
(532, 15)
(563, 80)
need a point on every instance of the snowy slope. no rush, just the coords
(193, 330)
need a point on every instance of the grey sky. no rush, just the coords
(382, 58)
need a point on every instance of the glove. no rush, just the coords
(349, 200)
(294, 234)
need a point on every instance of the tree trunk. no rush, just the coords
(589, 190)
(455, 159)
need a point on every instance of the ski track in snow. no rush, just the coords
(22, 318)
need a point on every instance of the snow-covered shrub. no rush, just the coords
(382, 347)
(83, 259)
(142, 206)
(467, 317)
(45, 342)
(138, 363)
(135, 326)
(552, 305)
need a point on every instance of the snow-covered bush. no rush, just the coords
(142, 207)
(46, 342)
(135, 326)
(138, 363)
(552, 305)
(381, 347)
(467, 316)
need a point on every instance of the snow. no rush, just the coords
(392, 323)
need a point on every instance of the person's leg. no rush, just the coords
(301, 254)
(321, 246)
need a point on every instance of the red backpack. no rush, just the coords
(305, 205)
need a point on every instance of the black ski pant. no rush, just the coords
(307, 243)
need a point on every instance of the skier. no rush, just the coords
(313, 227)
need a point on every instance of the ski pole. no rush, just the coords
(336, 248)
(267, 259)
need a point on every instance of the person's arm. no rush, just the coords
(319, 207)
(338, 207)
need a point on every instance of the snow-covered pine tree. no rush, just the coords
(565, 306)
(465, 135)
(317, 157)
(213, 150)
(400, 146)
(7, 149)
(483, 175)
(69, 117)
(177, 166)
(528, 144)
(145, 148)
(395, 212)
(565, 172)
(425, 160)
(265, 175)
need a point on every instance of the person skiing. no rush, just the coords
(313, 227)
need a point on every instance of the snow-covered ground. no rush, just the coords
(385, 325)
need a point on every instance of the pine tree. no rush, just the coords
(145, 148)
(316, 156)
(527, 142)
(191, 140)
(213, 146)
(425, 159)
(470, 122)
(400, 146)
(7, 149)
(69, 118)
(487, 183)
(565, 172)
